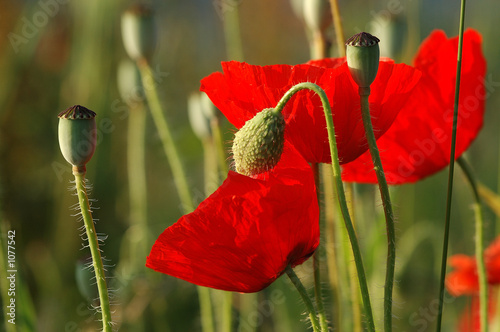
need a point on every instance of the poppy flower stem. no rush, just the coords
(79, 173)
(479, 246)
(166, 137)
(451, 169)
(339, 31)
(178, 172)
(305, 297)
(364, 93)
(358, 260)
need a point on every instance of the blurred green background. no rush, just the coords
(55, 54)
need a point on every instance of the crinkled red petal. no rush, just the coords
(243, 90)
(418, 143)
(243, 236)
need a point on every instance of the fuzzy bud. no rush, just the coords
(139, 32)
(363, 56)
(258, 145)
(77, 135)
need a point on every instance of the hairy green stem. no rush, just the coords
(451, 169)
(340, 191)
(479, 244)
(166, 137)
(364, 93)
(305, 297)
(79, 173)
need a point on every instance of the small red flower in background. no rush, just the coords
(244, 235)
(464, 281)
(418, 143)
(243, 90)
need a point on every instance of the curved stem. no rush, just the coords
(479, 246)
(303, 293)
(386, 202)
(166, 137)
(451, 169)
(79, 173)
(340, 191)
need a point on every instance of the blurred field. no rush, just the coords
(53, 57)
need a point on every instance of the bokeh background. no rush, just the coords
(55, 54)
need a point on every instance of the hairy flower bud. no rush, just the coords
(77, 135)
(258, 145)
(363, 56)
(139, 32)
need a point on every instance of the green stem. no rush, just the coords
(232, 33)
(79, 173)
(479, 245)
(339, 31)
(358, 260)
(305, 297)
(451, 170)
(166, 137)
(137, 185)
(316, 263)
(219, 145)
(364, 93)
(178, 173)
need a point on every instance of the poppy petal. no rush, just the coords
(243, 90)
(418, 143)
(244, 235)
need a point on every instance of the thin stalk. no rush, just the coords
(316, 262)
(227, 311)
(178, 173)
(305, 297)
(232, 33)
(137, 183)
(451, 170)
(219, 145)
(339, 31)
(79, 173)
(335, 279)
(386, 202)
(340, 192)
(166, 137)
(479, 245)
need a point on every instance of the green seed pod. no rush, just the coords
(363, 56)
(139, 32)
(77, 135)
(258, 145)
(201, 113)
(130, 83)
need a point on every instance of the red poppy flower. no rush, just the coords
(243, 90)
(418, 143)
(464, 281)
(244, 235)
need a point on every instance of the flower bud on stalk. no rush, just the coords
(258, 145)
(77, 136)
(363, 56)
(139, 32)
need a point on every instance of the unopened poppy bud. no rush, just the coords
(139, 32)
(201, 112)
(317, 14)
(130, 83)
(258, 145)
(77, 135)
(363, 56)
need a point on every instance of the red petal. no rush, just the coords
(243, 236)
(244, 90)
(418, 143)
(463, 280)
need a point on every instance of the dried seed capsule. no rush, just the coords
(77, 135)
(363, 56)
